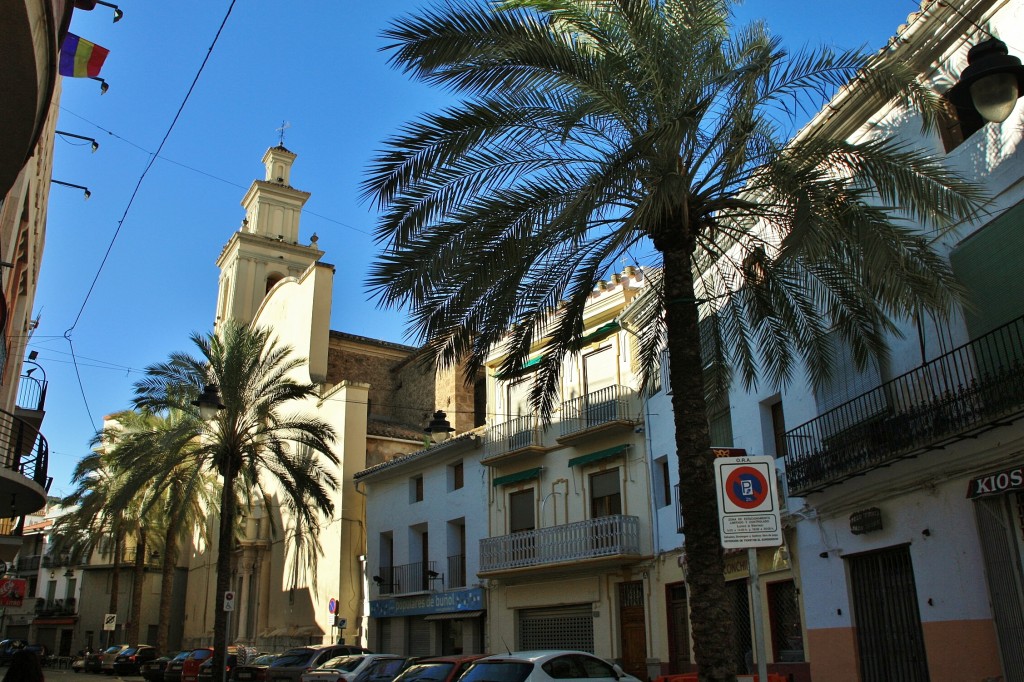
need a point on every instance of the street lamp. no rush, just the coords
(991, 83)
(208, 402)
(439, 428)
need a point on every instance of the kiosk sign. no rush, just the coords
(748, 502)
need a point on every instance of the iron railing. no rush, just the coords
(414, 577)
(56, 607)
(56, 560)
(31, 393)
(25, 564)
(957, 394)
(601, 537)
(520, 433)
(23, 448)
(605, 406)
(457, 570)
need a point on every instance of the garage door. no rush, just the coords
(565, 627)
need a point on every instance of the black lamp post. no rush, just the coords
(439, 428)
(991, 83)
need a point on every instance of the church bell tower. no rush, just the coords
(266, 247)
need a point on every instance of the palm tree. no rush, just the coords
(152, 449)
(592, 130)
(260, 436)
(96, 522)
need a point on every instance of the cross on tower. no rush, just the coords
(285, 125)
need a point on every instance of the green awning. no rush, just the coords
(518, 476)
(606, 329)
(599, 455)
(528, 365)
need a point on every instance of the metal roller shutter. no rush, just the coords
(419, 636)
(999, 544)
(566, 627)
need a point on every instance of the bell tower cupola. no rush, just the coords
(266, 247)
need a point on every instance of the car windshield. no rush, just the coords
(201, 654)
(344, 663)
(292, 658)
(423, 672)
(497, 671)
(265, 659)
(112, 650)
(181, 656)
(128, 652)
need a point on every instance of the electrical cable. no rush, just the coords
(131, 201)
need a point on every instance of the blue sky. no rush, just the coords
(313, 64)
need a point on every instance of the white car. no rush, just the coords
(342, 668)
(544, 666)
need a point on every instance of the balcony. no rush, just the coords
(27, 564)
(974, 388)
(457, 570)
(609, 409)
(607, 537)
(24, 456)
(519, 436)
(47, 608)
(406, 579)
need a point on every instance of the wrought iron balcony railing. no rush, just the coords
(606, 407)
(56, 607)
(604, 536)
(24, 450)
(959, 394)
(27, 564)
(516, 436)
(678, 503)
(415, 577)
(31, 393)
(457, 570)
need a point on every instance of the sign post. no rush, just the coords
(229, 606)
(749, 516)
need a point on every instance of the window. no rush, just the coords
(784, 616)
(455, 481)
(416, 489)
(521, 511)
(605, 495)
(662, 483)
(779, 429)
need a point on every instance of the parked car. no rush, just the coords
(129, 661)
(384, 669)
(342, 668)
(172, 672)
(437, 668)
(8, 647)
(206, 669)
(256, 670)
(190, 668)
(93, 662)
(289, 666)
(108, 656)
(544, 666)
(78, 662)
(153, 671)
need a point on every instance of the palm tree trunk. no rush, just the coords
(225, 548)
(115, 579)
(710, 615)
(167, 580)
(138, 579)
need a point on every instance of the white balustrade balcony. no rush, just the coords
(614, 536)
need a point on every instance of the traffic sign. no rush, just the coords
(109, 621)
(229, 601)
(332, 605)
(748, 502)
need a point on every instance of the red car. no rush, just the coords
(190, 669)
(437, 668)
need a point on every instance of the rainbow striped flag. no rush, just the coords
(81, 59)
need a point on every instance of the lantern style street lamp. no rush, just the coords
(439, 428)
(991, 83)
(208, 402)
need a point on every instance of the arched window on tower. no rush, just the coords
(272, 280)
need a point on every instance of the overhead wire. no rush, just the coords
(131, 201)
